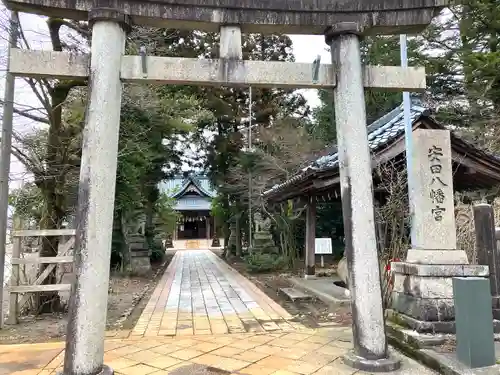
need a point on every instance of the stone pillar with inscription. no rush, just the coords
(422, 296)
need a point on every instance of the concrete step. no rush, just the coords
(323, 288)
(295, 294)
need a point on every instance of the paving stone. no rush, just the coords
(200, 294)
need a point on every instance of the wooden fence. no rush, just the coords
(16, 289)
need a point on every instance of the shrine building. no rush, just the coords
(193, 195)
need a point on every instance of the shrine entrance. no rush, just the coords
(193, 225)
(193, 196)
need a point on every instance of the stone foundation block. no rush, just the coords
(446, 256)
(422, 286)
(426, 309)
(440, 270)
(422, 297)
(135, 246)
(421, 326)
(140, 265)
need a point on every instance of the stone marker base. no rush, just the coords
(106, 370)
(403, 335)
(420, 326)
(263, 242)
(215, 242)
(377, 365)
(437, 257)
(422, 296)
(140, 263)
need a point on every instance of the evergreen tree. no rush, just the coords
(460, 51)
(380, 50)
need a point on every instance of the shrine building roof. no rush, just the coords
(477, 169)
(178, 186)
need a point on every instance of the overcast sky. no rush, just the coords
(305, 49)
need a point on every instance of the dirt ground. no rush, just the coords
(312, 313)
(127, 298)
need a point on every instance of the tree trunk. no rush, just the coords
(125, 249)
(149, 226)
(49, 301)
(53, 190)
(238, 236)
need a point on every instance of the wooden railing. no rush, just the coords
(15, 289)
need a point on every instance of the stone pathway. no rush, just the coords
(200, 294)
(282, 353)
(204, 318)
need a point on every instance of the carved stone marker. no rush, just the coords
(422, 297)
(433, 198)
(263, 241)
(140, 263)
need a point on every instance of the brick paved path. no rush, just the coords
(200, 294)
(317, 352)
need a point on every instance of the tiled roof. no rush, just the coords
(173, 186)
(380, 134)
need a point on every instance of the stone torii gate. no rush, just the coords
(342, 22)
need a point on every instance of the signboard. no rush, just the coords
(323, 246)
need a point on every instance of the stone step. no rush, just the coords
(295, 294)
(193, 244)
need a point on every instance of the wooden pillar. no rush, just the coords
(310, 259)
(208, 227)
(238, 236)
(379, 226)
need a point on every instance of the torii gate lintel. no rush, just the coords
(212, 72)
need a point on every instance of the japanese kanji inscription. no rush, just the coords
(437, 194)
(434, 217)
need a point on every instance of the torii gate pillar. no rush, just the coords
(96, 194)
(370, 342)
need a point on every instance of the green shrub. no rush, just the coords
(157, 255)
(264, 262)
